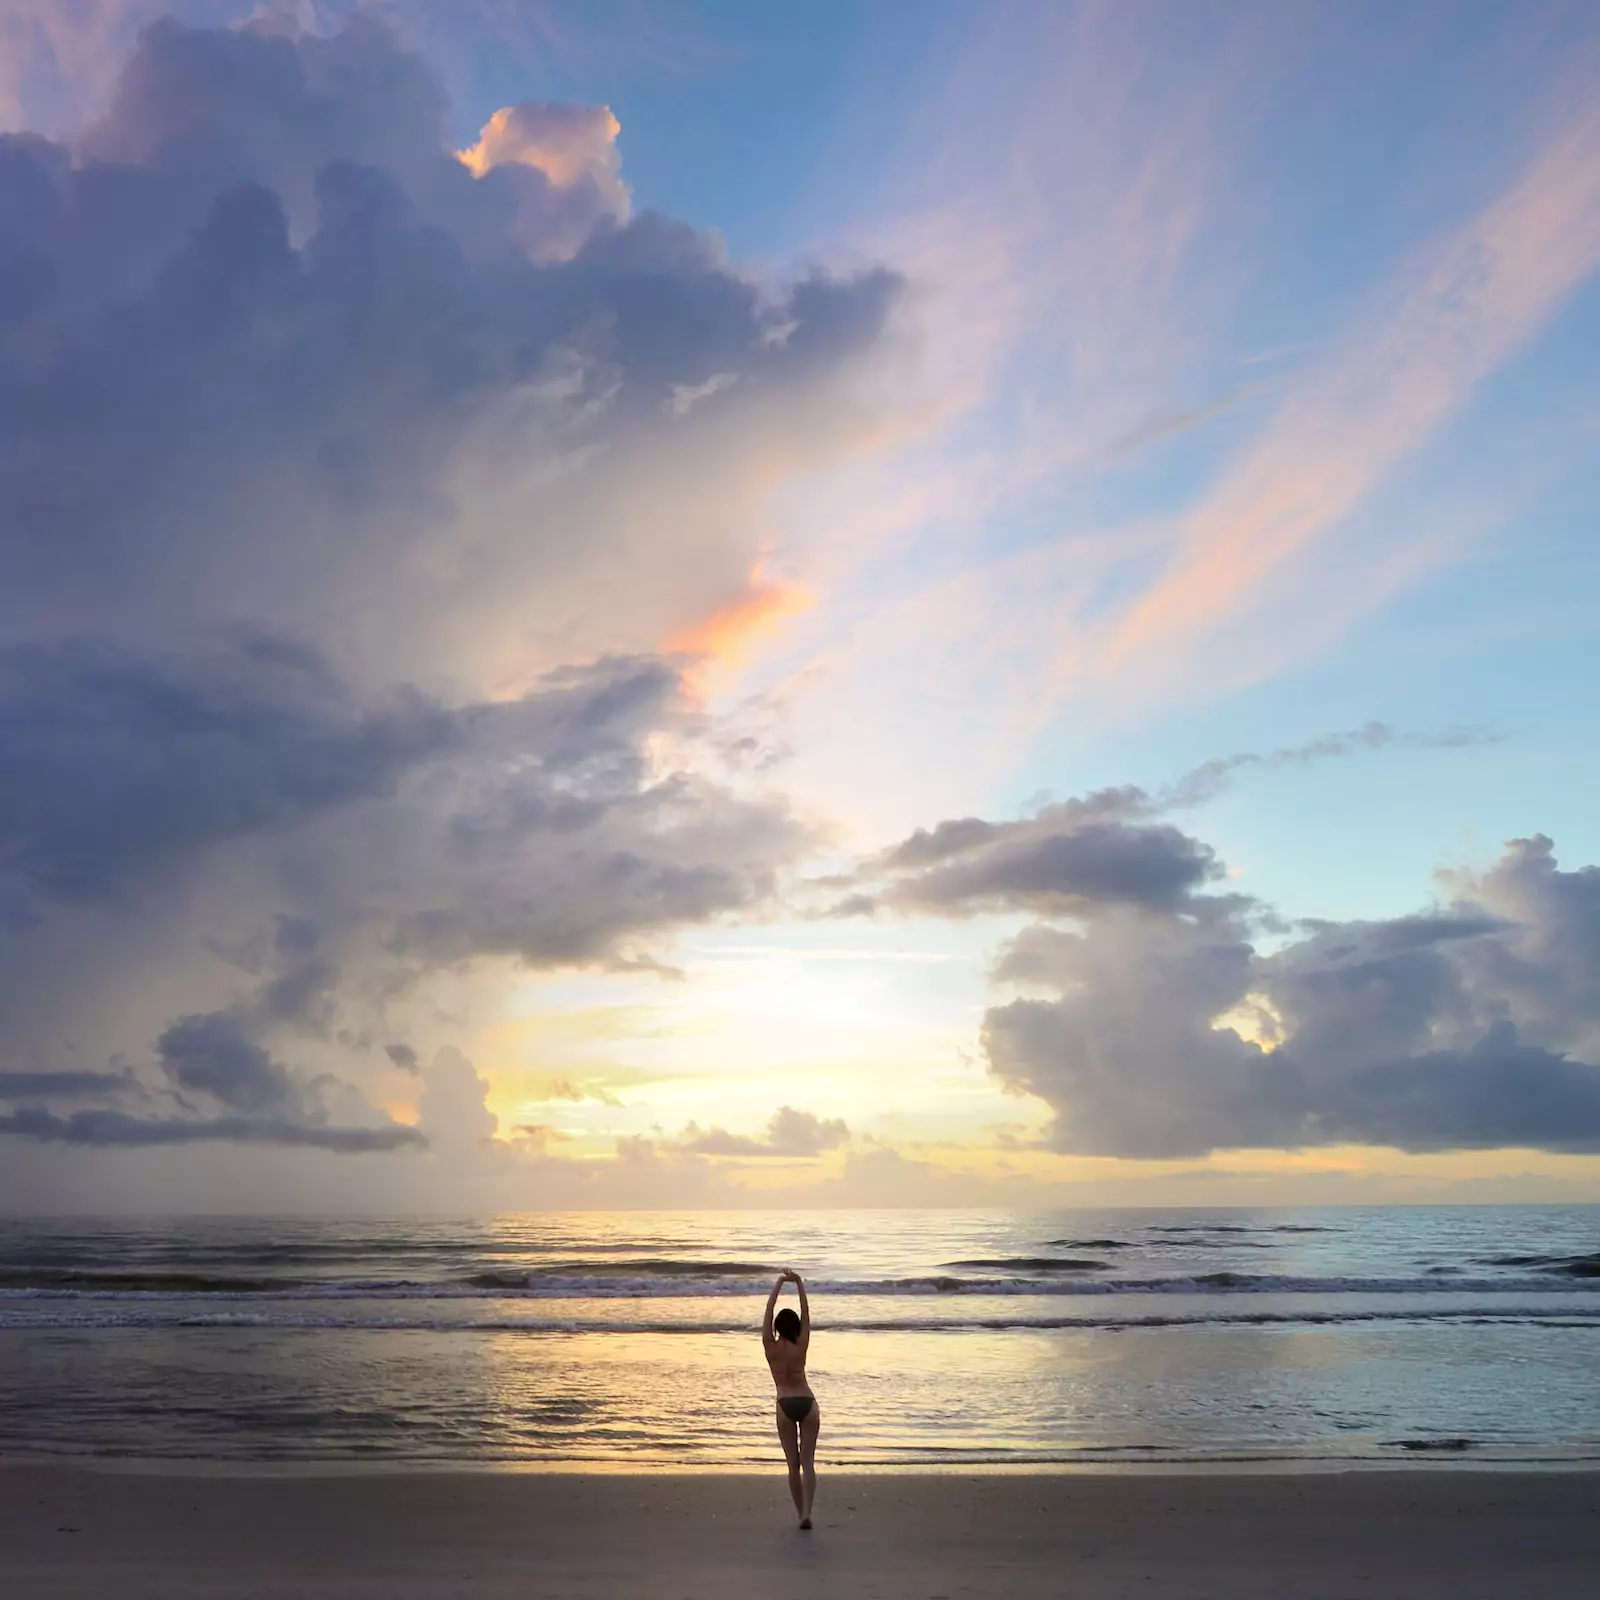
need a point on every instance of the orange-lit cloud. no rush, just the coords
(723, 641)
(569, 144)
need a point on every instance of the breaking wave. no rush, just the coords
(711, 1280)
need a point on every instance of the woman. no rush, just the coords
(786, 1338)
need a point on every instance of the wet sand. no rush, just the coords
(139, 1535)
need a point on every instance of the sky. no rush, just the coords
(697, 604)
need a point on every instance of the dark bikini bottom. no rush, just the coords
(796, 1407)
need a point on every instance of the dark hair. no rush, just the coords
(788, 1325)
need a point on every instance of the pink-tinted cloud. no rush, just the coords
(1451, 318)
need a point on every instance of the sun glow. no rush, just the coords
(1254, 1020)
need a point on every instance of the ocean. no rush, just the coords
(940, 1337)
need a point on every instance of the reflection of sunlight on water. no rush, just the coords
(587, 1395)
(884, 1396)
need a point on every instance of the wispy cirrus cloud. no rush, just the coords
(1447, 321)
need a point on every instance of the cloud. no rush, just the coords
(115, 764)
(1164, 1031)
(541, 831)
(1056, 864)
(280, 339)
(108, 1128)
(789, 1133)
(1211, 778)
(1066, 856)
(566, 1089)
(213, 1054)
(1091, 850)
(61, 1085)
(348, 507)
(228, 1087)
(1449, 319)
(1168, 425)
(562, 170)
(453, 1112)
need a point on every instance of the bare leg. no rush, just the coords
(809, 1428)
(788, 1434)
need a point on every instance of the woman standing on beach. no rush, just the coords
(785, 1338)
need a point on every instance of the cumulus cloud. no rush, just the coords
(276, 352)
(346, 504)
(1164, 1031)
(789, 1133)
(453, 1111)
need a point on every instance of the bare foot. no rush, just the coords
(805, 1522)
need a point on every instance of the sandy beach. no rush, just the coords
(137, 1535)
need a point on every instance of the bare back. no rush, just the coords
(788, 1363)
(787, 1357)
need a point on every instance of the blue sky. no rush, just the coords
(1203, 381)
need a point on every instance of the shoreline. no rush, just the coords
(70, 1532)
(1442, 1462)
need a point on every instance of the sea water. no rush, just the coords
(941, 1337)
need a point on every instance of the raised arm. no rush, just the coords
(805, 1310)
(772, 1300)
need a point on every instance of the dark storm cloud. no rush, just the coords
(1164, 1033)
(789, 1133)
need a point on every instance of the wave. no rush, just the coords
(705, 1271)
(1238, 1227)
(621, 1284)
(1033, 1263)
(1587, 1266)
(307, 1318)
(69, 1279)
